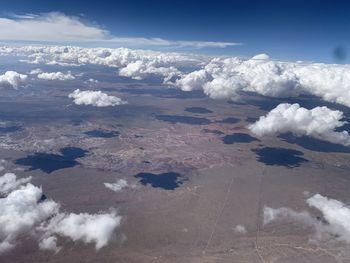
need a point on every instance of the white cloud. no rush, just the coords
(219, 78)
(193, 81)
(56, 76)
(58, 27)
(35, 71)
(141, 69)
(119, 185)
(226, 77)
(283, 213)
(136, 64)
(335, 213)
(261, 57)
(92, 80)
(5, 246)
(49, 243)
(88, 228)
(331, 82)
(139, 41)
(240, 229)
(12, 79)
(24, 213)
(9, 182)
(95, 98)
(48, 27)
(223, 88)
(318, 122)
(21, 211)
(3, 164)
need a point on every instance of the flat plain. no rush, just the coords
(198, 174)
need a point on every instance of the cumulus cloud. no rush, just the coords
(36, 71)
(319, 122)
(284, 213)
(240, 229)
(58, 27)
(336, 213)
(140, 70)
(49, 243)
(9, 182)
(95, 98)
(219, 78)
(336, 223)
(56, 76)
(92, 80)
(88, 228)
(25, 213)
(193, 81)
(3, 164)
(136, 64)
(226, 77)
(21, 211)
(119, 185)
(12, 79)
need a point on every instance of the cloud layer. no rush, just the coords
(9, 182)
(227, 77)
(136, 64)
(25, 213)
(12, 79)
(336, 223)
(58, 27)
(88, 228)
(95, 98)
(319, 122)
(219, 78)
(119, 185)
(56, 76)
(51, 26)
(21, 212)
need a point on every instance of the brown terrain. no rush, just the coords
(223, 184)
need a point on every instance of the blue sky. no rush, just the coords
(289, 30)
